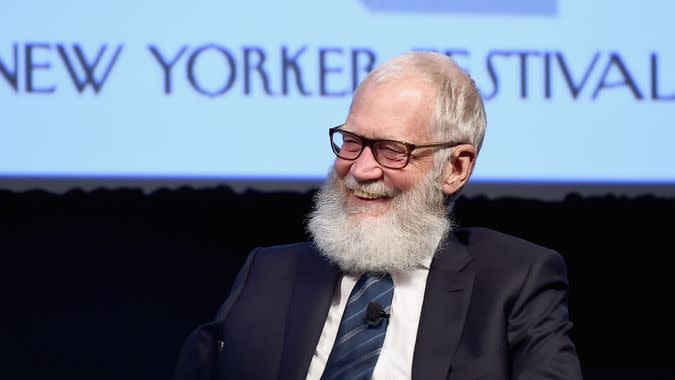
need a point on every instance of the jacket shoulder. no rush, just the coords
(291, 248)
(282, 253)
(500, 255)
(481, 241)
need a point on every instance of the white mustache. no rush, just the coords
(377, 189)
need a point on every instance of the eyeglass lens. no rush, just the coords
(388, 153)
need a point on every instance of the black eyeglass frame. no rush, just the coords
(370, 143)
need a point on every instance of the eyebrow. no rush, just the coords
(389, 137)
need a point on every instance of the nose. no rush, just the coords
(366, 167)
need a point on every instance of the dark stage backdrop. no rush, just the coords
(106, 284)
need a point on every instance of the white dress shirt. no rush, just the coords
(395, 361)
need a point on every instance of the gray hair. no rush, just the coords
(459, 113)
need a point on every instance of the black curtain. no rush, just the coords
(106, 284)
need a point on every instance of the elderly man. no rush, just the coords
(389, 288)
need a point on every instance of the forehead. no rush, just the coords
(397, 109)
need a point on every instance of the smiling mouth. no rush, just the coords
(366, 195)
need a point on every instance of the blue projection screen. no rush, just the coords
(576, 91)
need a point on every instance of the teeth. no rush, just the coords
(365, 194)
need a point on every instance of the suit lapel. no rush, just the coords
(446, 300)
(315, 283)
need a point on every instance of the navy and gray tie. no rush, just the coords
(359, 339)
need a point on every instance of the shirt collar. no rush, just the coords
(425, 263)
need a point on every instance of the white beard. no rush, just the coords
(394, 241)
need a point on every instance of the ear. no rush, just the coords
(458, 169)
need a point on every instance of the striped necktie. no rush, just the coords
(358, 342)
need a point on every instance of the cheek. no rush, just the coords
(342, 167)
(405, 179)
(401, 182)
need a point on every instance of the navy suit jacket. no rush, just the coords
(495, 307)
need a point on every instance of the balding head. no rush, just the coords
(459, 113)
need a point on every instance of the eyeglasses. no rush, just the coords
(391, 154)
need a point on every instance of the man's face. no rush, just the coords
(399, 110)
